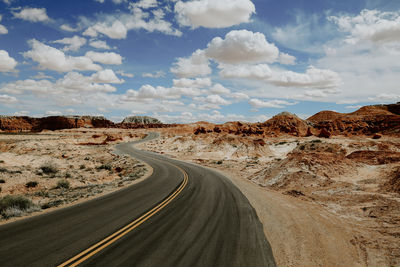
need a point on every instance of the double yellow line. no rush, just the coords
(83, 256)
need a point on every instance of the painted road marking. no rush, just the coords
(81, 257)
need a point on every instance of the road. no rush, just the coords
(200, 220)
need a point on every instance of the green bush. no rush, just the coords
(105, 167)
(16, 202)
(31, 184)
(49, 168)
(2, 181)
(63, 184)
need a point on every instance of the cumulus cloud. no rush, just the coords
(116, 30)
(287, 59)
(257, 103)
(125, 74)
(146, 4)
(106, 76)
(66, 27)
(72, 82)
(242, 46)
(196, 83)
(118, 27)
(312, 78)
(3, 29)
(6, 99)
(51, 58)
(110, 58)
(195, 65)
(372, 25)
(99, 44)
(7, 63)
(53, 113)
(32, 14)
(219, 89)
(72, 44)
(214, 13)
(157, 74)
(149, 92)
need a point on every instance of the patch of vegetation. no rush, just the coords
(50, 204)
(1, 161)
(68, 175)
(31, 184)
(316, 141)
(13, 206)
(82, 167)
(49, 168)
(107, 167)
(63, 184)
(2, 181)
(3, 170)
(219, 162)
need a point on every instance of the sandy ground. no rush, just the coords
(55, 169)
(320, 203)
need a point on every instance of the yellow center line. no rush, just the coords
(76, 260)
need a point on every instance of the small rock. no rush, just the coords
(324, 133)
(377, 136)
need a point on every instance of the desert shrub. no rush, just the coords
(68, 175)
(3, 170)
(49, 168)
(219, 162)
(63, 184)
(31, 184)
(105, 167)
(11, 206)
(2, 181)
(82, 167)
(1, 161)
(54, 203)
(316, 141)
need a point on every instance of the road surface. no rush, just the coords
(182, 215)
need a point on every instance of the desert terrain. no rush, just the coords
(46, 170)
(327, 189)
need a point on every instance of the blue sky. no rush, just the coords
(185, 61)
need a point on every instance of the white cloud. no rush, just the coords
(70, 86)
(312, 78)
(214, 100)
(157, 74)
(66, 27)
(100, 1)
(117, 27)
(110, 58)
(8, 2)
(122, 73)
(53, 113)
(287, 59)
(242, 46)
(7, 63)
(72, 44)
(214, 13)
(6, 99)
(106, 76)
(21, 113)
(51, 58)
(41, 76)
(195, 83)
(32, 14)
(3, 30)
(257, 103)
(219, 89)
(195, 65)
(99, 44)
(146, 4)
(372, 25)
(239, 96)
(116, 30)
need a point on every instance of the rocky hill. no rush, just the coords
(141, 120)
(28, 124)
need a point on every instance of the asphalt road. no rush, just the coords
(207, 221)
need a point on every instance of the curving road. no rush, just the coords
(182, 215)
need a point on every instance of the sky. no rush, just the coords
(197, 60)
